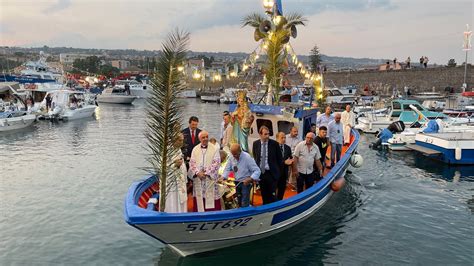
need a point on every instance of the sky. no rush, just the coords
(353, 28)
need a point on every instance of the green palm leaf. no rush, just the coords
(295, 19)
(253, 20)
(163, 111)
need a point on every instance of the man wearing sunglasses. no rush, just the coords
(245, 171)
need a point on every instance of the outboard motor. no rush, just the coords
(396, 127)
(387, 133)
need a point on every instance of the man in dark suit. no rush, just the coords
(287, 161)
(191, 138)
(267, 155)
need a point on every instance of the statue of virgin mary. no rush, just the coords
(242, 119)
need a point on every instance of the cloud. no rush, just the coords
(60, 5)
(362, 28)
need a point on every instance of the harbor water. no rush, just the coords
(63, 184)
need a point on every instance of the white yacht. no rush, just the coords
(139, 89)
(68, 105)
(115, 95)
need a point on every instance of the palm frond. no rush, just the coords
(253, 20)
(295, 19)
(163, 110)
(276, 55)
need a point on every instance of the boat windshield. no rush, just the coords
(336, 93)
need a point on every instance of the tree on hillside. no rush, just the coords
(315, 58)
(207, 60)
(452, 63)
(89, 64)
(109, 71)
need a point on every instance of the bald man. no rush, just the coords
(306, 155)
(245, 172)
(204, 166)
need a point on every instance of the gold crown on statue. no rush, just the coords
(242, 95)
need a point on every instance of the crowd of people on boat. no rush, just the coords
(207, 165)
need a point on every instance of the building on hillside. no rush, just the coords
(68, 59)
(120, 64)
(196, 63)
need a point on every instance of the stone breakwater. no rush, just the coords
(418, 79)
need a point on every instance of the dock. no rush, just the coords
(422, 149)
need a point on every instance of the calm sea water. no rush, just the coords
(63, 184)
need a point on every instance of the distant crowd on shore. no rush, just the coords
(395, 65)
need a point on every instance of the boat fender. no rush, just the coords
(338, 184)
(457, 153)
(357, 160)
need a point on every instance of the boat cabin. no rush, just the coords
(10, 100)
(400, 110)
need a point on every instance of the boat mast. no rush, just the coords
(467, 48)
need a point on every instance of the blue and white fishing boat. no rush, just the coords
(34, 72)
(449, 147)
(197, 232)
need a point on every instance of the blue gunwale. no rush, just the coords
(135, 215)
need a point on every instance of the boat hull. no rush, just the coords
(140, 93)
(367, 125)
(191, 233)
(213, 99)
(446, 144)
(15, 123)
(118, 99)
(79, 113)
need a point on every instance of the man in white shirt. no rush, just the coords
(225, 123)
(292, 139)
(306, 155)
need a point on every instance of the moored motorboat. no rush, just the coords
(69, 105)
(400, 110)
(449, 147)
(210, 97)
(190, 93)
(15, 120)
(115, 95)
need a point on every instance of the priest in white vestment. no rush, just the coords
(177, 195)
(348, 122)
(204, 165)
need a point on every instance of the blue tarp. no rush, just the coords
(385, 135)
(432, 127)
